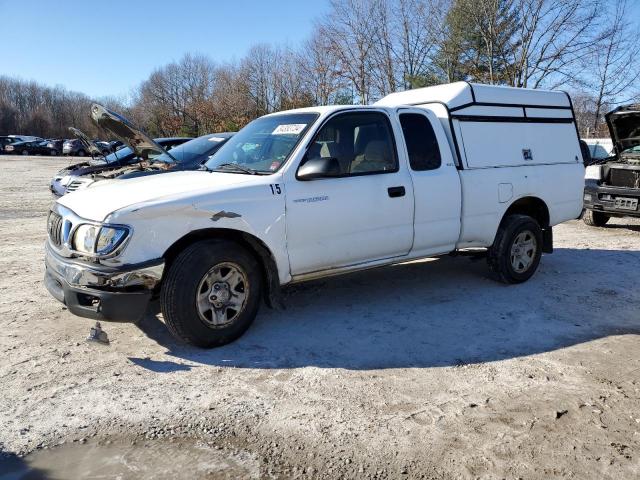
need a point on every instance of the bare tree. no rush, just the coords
(551, 39)
(614, 64)
(350, 30)
(419, 31)
(320, 70)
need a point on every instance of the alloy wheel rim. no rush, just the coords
(222, 294)
(523, 251)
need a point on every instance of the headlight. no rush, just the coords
(593, 172)
(98, 240)
(84, 239)
(109, 238)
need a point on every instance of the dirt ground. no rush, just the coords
(422, 370)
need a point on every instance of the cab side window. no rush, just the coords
(422, 145)
(361, 142)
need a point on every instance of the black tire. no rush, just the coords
(180, 289)
(595, 219)
(25, 152)
(499, 255)
(53, 153)
(81, 153)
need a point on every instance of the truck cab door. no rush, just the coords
(361, 214)
(436, 183)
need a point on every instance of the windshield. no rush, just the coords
(194, 151)
(119, 155)
(634, 149)
(263, 145)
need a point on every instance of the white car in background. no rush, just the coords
(600, 148)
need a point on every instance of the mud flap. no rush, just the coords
(547, 240)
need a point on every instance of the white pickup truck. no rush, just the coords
(308, 193)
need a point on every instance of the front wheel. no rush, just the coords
(211, 293)
(25, 152)
(516, 251)
(595, 219)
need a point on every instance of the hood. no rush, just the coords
(142, 145)
(86, 141)
(105, 197)
(624, 127)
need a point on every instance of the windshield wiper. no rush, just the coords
(235, 166)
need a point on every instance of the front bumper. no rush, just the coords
(102, 293)
(601, 198)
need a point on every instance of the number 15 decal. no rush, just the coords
(275, 189)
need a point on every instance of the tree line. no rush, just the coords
(362, 50)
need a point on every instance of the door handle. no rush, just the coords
(395, 192)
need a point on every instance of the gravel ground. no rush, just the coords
(422, 370)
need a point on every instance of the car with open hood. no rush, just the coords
(81, 175)
(147, 156)
(612, 185)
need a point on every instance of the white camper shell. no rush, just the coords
(319, 191)
(539, 122)
(498, 135)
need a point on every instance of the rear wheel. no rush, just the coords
(81, 153)
(211, 293)
(595, 219)
(25, 152)
(516, 251)
(53, 153)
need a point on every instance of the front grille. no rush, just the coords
(54, 226)
(621, 177)
(73, 186)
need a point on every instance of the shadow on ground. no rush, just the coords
(433, 313)
(13, 467)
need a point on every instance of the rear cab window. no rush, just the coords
(422, 145)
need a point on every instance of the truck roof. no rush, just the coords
(460, 94)
(323, 109)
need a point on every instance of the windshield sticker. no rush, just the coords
(216, 139)
(289, 129)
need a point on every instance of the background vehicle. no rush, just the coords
(29, 148)
(55, 144)
(26, 138)
(81, 175)
(187, 156)
(612, 185)
(74, 147)
(314, 192)
(4, 141)
(105, 147)
(115, 145)
(600, 148)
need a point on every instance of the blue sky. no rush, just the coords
(74, 43)
(107, 47)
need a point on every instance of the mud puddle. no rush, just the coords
(158, 459)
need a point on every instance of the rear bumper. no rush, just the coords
(102, 293)
(601, 198)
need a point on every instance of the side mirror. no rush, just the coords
(319, 167)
